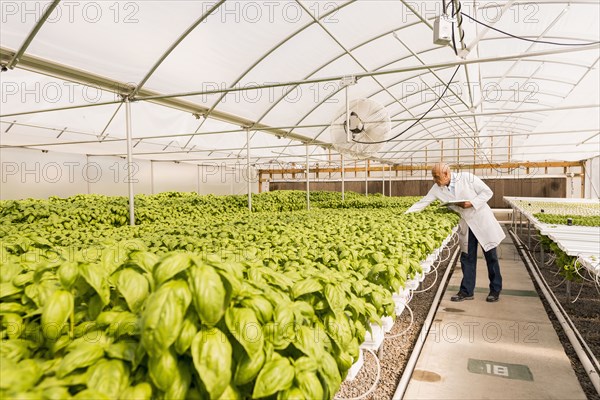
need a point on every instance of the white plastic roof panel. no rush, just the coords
(246, 43)
(301, 100)
(298, 63)
(91, 120)
(148, 119)
(223, 46)
(119, 39)
(353, 25)
(381, 51)
(19, 18)
(327, 11)
(24, 91)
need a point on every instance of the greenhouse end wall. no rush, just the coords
(592, 178)
(29, 173)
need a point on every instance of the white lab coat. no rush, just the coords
(479, 218)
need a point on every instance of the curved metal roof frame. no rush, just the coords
(415, 132)
(446, 127)
(263, 57)
(420, 91)
(433, 48)
(346, 52)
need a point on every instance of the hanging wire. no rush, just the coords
(578, 294)
(577, 261)
(419, 119)
(526, 39)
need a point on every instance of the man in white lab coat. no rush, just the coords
(477, 225)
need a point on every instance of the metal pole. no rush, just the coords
(198, 184)
(129, 161)
(87, 178)
(152, 177)
(348, 134)
(248, 169)
(343, 178)
(307, 181)
(383, 180)
(434, 66)
(514, 216)
(268, 129)
(17, 57)
(348, 137)
(520, 222)
(366, 177)
(541, 252)
(390, 191)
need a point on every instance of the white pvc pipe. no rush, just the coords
(412, 361)
(564, 320)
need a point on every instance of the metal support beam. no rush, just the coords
(516, 56)
(307, 179)
(17, 57)
(174, 45)
(427, 168)
(198, 171)
(390, 181)
(366, 177)
(485, 30)
(383, 181)
(248, 178)
(129, 162)
(343, 178)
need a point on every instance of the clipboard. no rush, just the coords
(452, 202)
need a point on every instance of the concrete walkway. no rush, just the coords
(503, 350)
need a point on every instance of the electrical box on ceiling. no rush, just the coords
(442, 30)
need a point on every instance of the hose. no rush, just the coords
(373, 387)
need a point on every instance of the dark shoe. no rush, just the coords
(460, 296)
(493, 297)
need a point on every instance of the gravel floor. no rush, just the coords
(396, 351)
(584, 312)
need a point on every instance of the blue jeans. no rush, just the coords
(468, 263)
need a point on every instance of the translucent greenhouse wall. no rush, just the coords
(27, 173)
(592, 179)
(36, 174)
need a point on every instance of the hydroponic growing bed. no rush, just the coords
(202, 298)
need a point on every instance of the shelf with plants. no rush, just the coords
(569, 228)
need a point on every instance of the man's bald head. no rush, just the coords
(441, 174)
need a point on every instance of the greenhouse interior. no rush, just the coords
(288, 199)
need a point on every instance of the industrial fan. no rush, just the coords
(360, 128)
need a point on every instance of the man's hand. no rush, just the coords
(466, 204)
